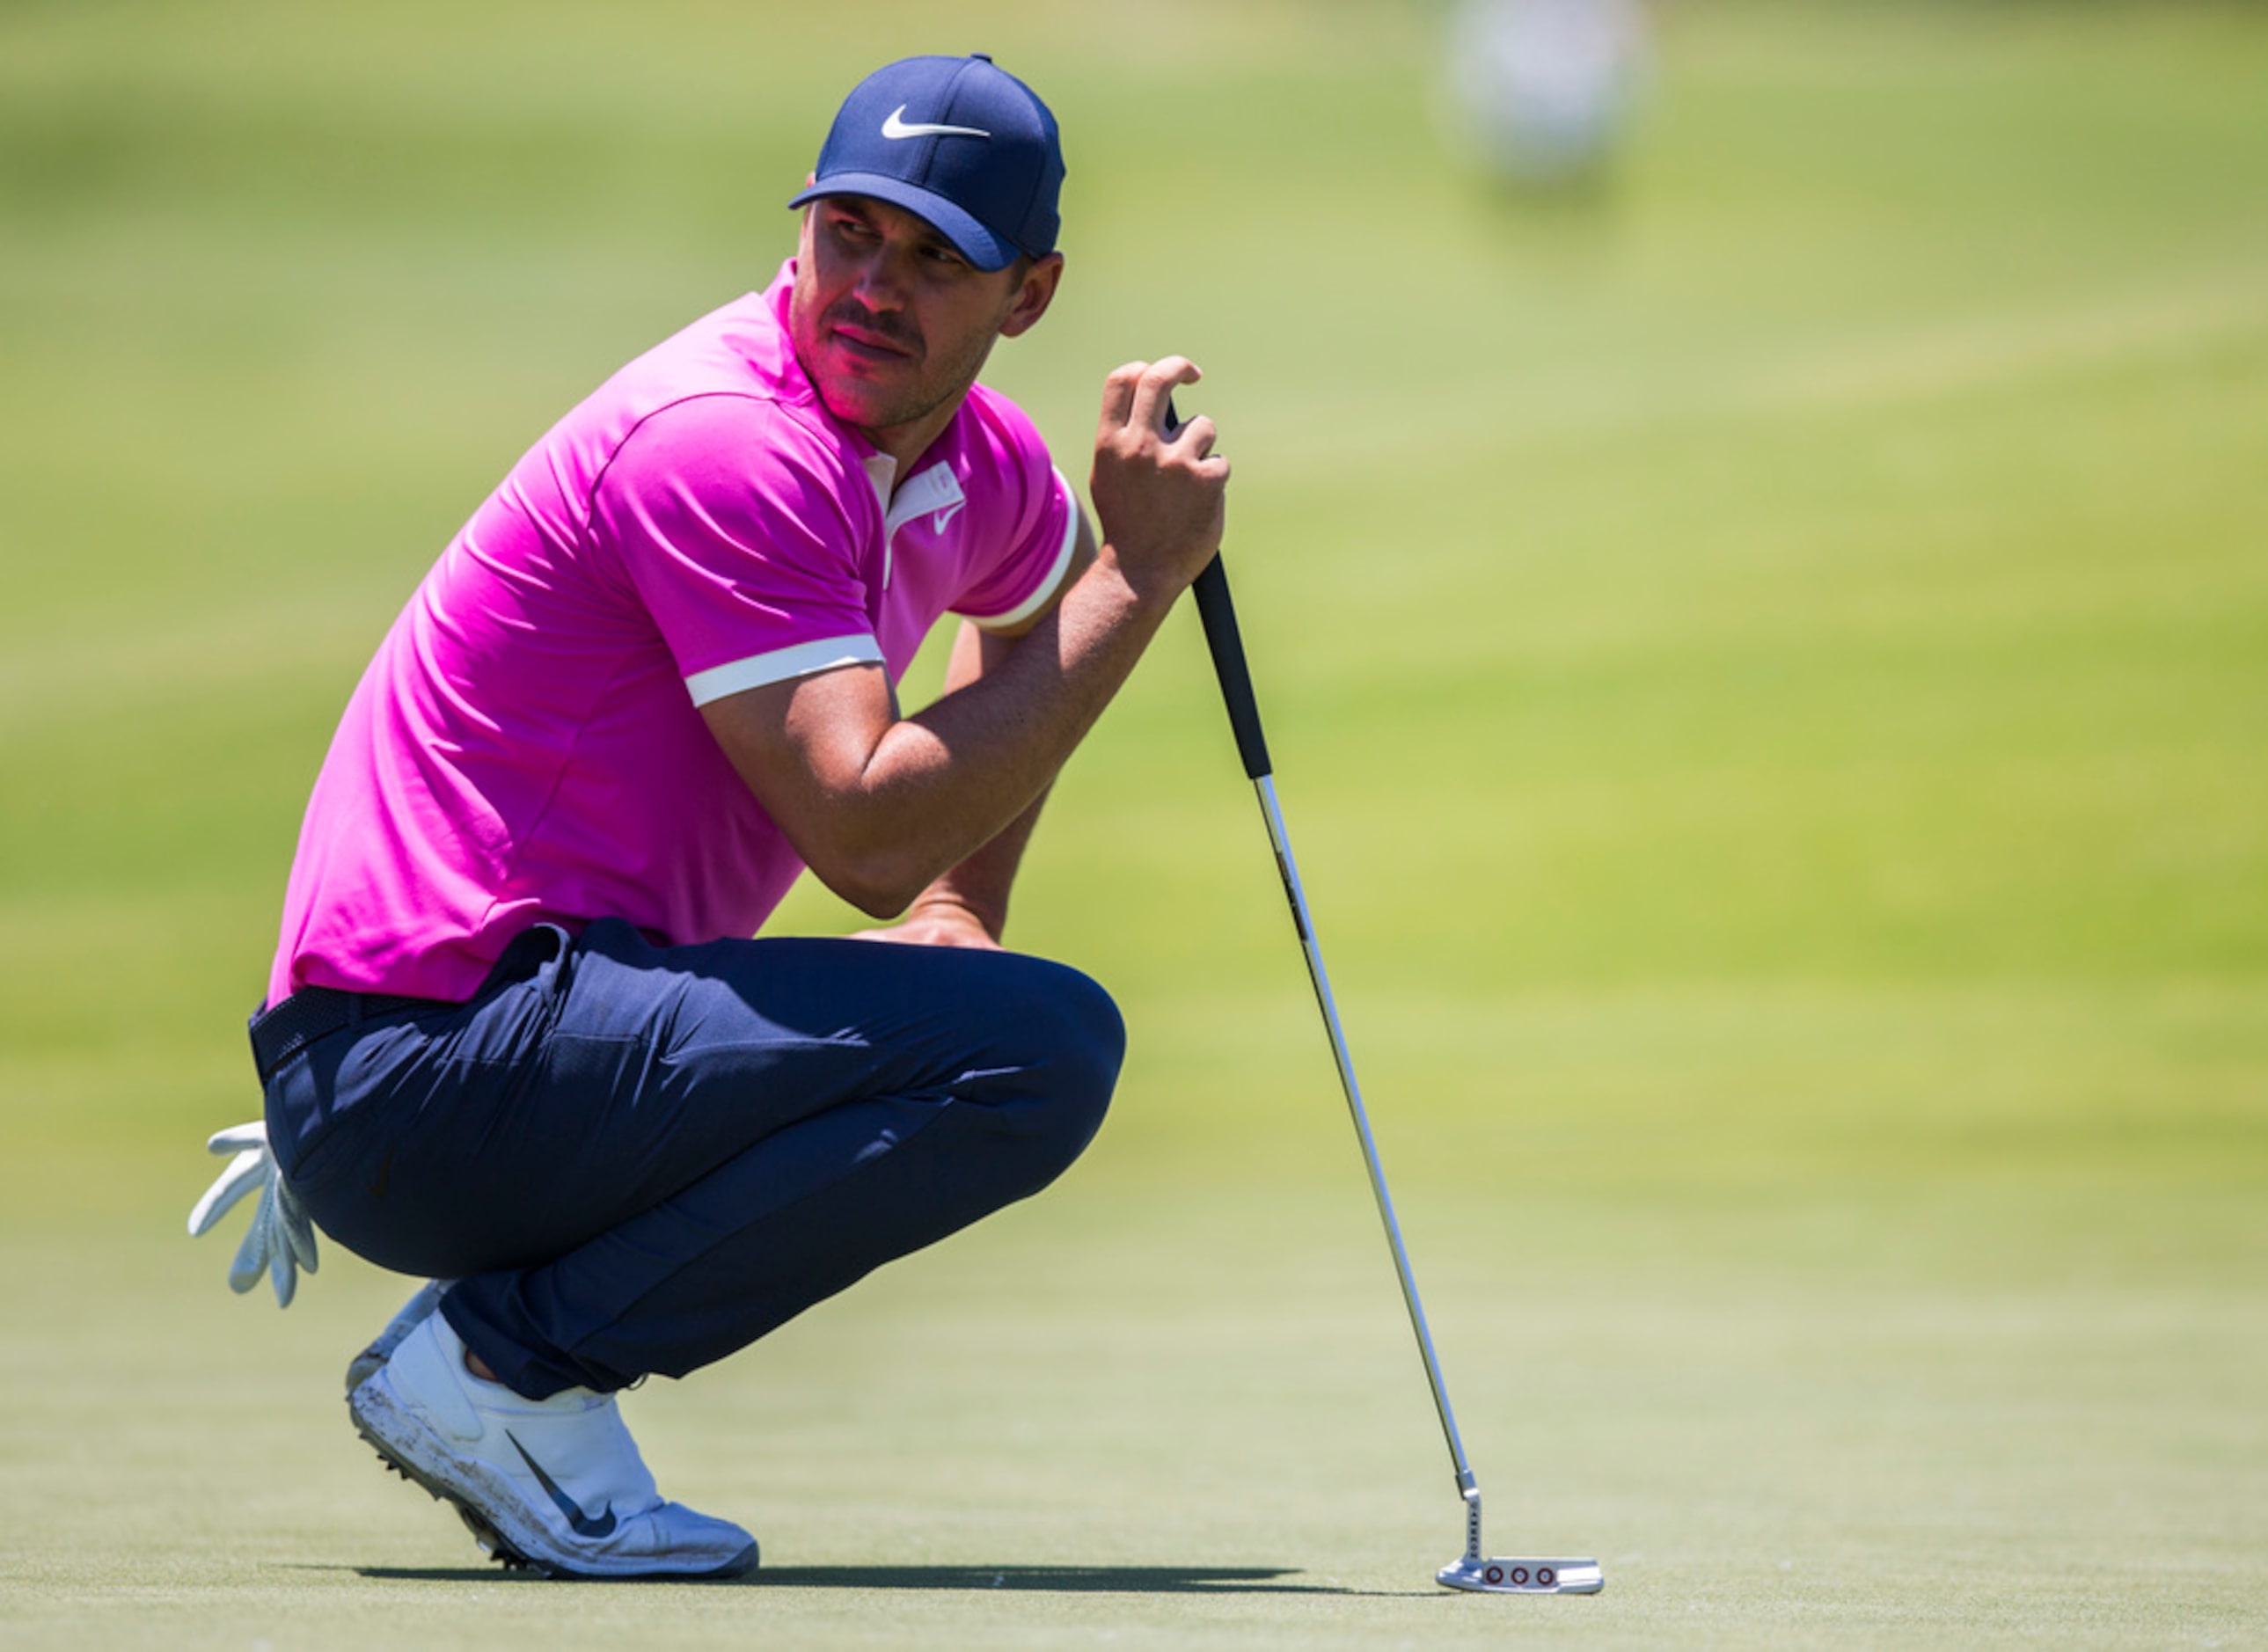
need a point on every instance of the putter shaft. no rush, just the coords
(1474, 1571)
(1265, 787)
(1217, 612)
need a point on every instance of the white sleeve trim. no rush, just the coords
(1046, 588)
(800, 660)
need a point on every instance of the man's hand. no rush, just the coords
(1162, 501)
(936, 924)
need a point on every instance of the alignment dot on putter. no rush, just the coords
(1490, 1577)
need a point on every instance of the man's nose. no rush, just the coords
(882, 284)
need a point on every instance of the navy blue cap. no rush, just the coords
(959, 143)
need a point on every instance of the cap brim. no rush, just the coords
(975, 243)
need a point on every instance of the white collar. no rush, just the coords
(934, 490)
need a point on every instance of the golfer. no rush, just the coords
(518, 1036)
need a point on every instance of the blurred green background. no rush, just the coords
(1767, 661)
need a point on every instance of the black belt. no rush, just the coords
(282, 1030)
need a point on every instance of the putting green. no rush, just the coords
(1768, 667)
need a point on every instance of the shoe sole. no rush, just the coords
(511, 1555)
(499, 1550)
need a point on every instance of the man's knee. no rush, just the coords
(1075, 1042)
(1089, 1040)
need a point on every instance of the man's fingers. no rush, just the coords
(1118, 396)
(1157, 490)
(1155, 386)
(1198, 434)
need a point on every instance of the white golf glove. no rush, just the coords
(281, 1240)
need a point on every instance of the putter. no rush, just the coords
(1486, 1574)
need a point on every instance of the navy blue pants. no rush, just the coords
(640, 1159)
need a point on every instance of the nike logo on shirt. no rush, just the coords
(598, 1526)
(936, 522)
(898, 125)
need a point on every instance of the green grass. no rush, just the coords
(1768, 664)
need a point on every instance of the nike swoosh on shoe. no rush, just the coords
(599, 1525)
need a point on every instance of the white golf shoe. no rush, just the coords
(365, 1364)
(557, 1485)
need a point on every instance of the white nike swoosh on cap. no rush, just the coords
(897, 126)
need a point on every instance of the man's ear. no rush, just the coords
(1034, 295)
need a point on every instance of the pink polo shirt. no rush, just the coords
(527, 745)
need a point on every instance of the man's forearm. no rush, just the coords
(980, 885)
(945, 783)
(882, 806)
(883, 817)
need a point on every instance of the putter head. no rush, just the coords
(1523, 1576)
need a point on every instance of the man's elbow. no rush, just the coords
(882, 884)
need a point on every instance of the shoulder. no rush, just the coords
(720, 393)
(1001, 431)
(723, 431)
(735, 449)
(728, 483)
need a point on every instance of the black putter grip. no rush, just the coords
(1219, 613)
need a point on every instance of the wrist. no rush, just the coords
(1145, 584)
(946, 906)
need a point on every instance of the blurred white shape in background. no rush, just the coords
(1543, 88)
